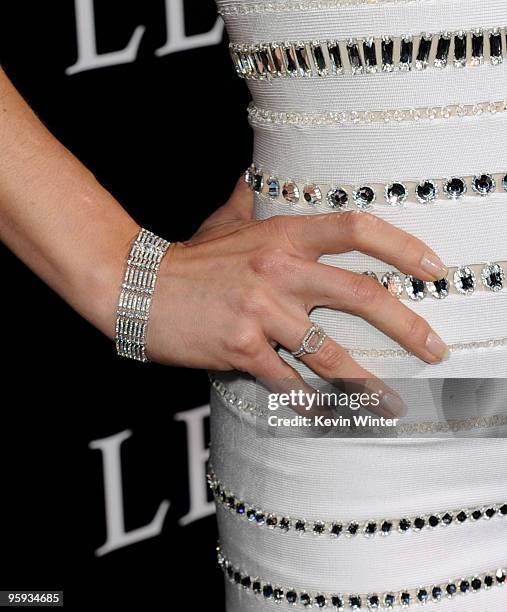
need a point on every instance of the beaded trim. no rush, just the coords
(367, 195)
(424, 427)
(135, 298)
(300, 119)
(369, 55)
(356, 601)
(247, 8)
(336, 528)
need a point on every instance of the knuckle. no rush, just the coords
(255, 303)
(244, 344)
(417, 329)
(366, 291)
(359, 223)
(269, 261)
(331, 358)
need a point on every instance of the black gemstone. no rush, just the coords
(436, 593)
(455, 187)
(320, 601)
(443, 47)
(467, 285)
(370, 53)
(387, 51)
(441, 288)
(300, 526)
(389, 600)
(464, 586)
(318, 528)
(271, 521)
(267, 591)
(291, 597)
(260, 518)
(371, 528)
(386, 527)
(231, 502)
(257, 182)
(373, 601)
(488, 581)
(354, 57)
(251, 514)
(422, 595)
(305, 599)
(337, 601)
(451, 588)
(433, 520)
(405, 598)
(364, 196)
(484, 183)
(237, 577)
(490, 512)
(404, 524)
(500, 576)
(256, 586)
(318, 55)
(355, 602)
(476, 584)
(276, 53)
(406, 51)
(230, 571)
(447, 518)
(424, 50)
(246, 582)
(336, 529)
(284, 524)
(478, 45)
(337, 198)
(460, 47)
(240, 508)
(503, 510)
(278, 594)
(352, 528)
(495, 44)
(335, 55)
(461, 517)
(426, 191)
(476, 515)
(419, 522)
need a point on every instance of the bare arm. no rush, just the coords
(56, 217)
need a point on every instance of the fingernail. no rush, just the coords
(432, 265)
(394, 405)
(437, 347)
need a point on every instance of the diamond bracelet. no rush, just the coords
(137, 289)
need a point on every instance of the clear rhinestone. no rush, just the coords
(249, 174)
(273, 187)
(423, 52)
(318, 58)
(312, 194)
(395, 193)
(373, 601)
(415, 288)
(460, 49)
(465, 280)
(477, 46)
(290, 192)
(335, 57)
(354, 57)
(364, 197)
(455, 188)
(496, 47)
(436, 593)
(355, 602)
(505, 182)
(426, 191)
(439, 289)
(493, 276)
(320, 601)
(337, 602)
(303, 59)
(393, 283)
(387, 54)
(257, 182)
(370, 55)
(389, 601)
(337, 198)
(443, 48)
(406, 52)
(483, 184)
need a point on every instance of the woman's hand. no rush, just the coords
(239, 287)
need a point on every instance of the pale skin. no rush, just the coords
(226, 298)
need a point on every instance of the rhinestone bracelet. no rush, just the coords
(369, 55)
(358, 601)
(136, 294)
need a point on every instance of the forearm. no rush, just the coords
(56, 217)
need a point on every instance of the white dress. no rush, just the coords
(349, 97)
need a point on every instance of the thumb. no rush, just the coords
(239, 206)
